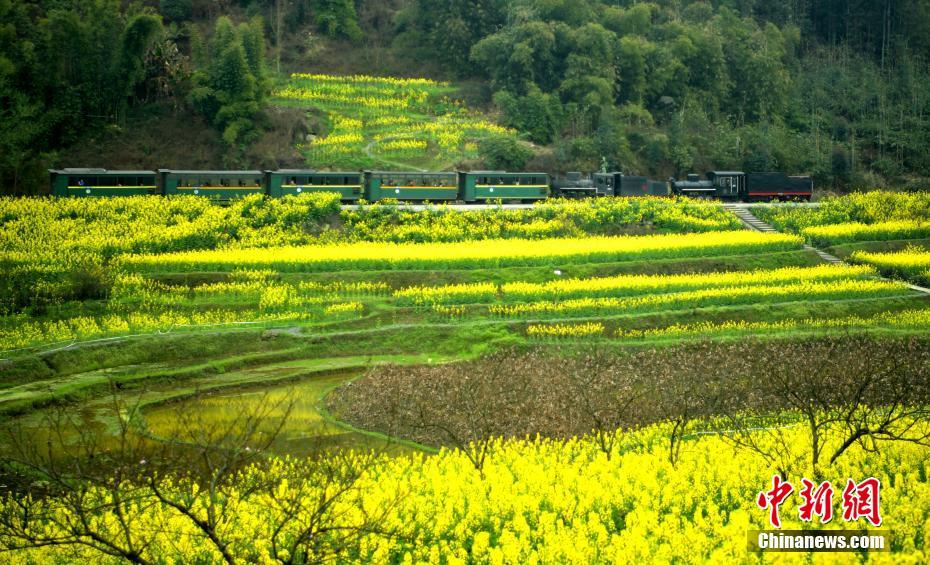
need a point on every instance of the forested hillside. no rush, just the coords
(835, 88)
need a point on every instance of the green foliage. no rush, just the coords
(448, 30)
(729, 84)
(231, 88)
(537, 114)
(66, 69)
(337, 18)
(839, 164)
(504, 153)
(177, 10)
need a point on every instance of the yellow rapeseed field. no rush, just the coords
(536, 501)
(829, 290)
(912, 263)
(623, 285)
(489, 253)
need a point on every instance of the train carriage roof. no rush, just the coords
(420, 173)
(75, 171)
(313, 172)
(521, 173)
(193, 172)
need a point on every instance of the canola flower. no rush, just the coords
(20, 332)
(912, 263)
(138, 305)
(727, 295)
(70, 231)
(53, 235)
(26, 333)
(403, 145)
(447, 294)
(622, 285)
(536, 501)
(882, 231)
(902, 319)
(565, 330)
(450, 312)
(344, 308)
(396, 118)
(133, 291)
(546, 219)
(861, 207)
(499, 253)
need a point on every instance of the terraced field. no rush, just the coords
(383, 122)
(326, 339)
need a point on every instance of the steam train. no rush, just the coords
(748, 187)
(469, 187)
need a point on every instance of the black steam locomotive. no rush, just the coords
(748, 187)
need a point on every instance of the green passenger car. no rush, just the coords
(349, 185)
(435, 187)
(218, 185)
(490, 185)
(101, 182)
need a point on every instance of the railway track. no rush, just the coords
(478, 207)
